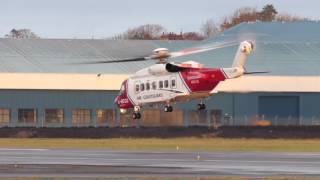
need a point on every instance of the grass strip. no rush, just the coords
(195, 144)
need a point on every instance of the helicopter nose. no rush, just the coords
(116, 100)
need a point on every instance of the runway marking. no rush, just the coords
(18, 149)
(262, 161)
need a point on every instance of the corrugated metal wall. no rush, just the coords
(222, 109)
(280, 110)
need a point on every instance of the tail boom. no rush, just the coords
(237, 69)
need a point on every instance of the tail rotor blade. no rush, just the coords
(256, 72)
(196, 50)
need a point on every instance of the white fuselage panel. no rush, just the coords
(164, 87)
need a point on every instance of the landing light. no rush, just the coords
(123, 111)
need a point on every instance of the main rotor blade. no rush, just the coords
(115, 61)
(196, 50)
(184, 52)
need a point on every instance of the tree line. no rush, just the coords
(21, 34)
(208, 29)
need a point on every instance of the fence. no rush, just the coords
(157, 118)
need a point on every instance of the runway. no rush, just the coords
(120, 164)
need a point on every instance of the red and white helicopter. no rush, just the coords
(169, 82)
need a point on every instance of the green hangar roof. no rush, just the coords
(290, 51)
(284, 49)
(62, 55)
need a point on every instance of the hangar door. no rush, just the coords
(280, 110)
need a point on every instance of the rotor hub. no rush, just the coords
(162, 54)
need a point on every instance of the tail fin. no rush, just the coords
(244, 50)
(237, 69)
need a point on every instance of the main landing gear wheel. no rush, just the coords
(136, 115)
(201, 107)
(168, 109)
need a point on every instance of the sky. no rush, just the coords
(105, 18)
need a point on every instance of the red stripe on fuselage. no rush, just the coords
(202, 80)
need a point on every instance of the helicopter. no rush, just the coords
(169, 82)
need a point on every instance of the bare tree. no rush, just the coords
(194, 36)
(22, 34)
(148, 32)
(209, 28)
(117, 37)
(246, 14)
(290, 18)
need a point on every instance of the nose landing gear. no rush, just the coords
(136, 114)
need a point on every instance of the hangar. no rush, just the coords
(41, 85)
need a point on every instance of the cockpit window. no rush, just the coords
(122, 89)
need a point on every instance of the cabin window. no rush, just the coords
(154, 85)
(147, 86)
(160, 84)
(137, 88)
(166, 83)
(142, 87)
(173, 82)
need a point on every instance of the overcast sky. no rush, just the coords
(104, 18)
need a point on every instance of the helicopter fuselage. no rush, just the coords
(151, 86)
